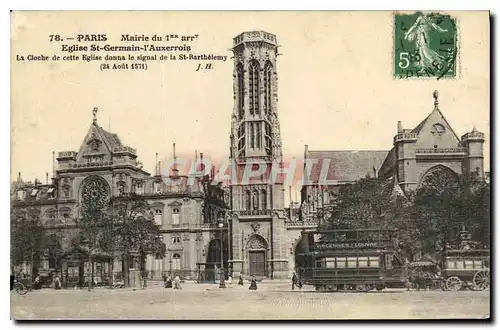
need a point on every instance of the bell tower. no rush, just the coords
(255, 118)
(255, 132)
(257, 195)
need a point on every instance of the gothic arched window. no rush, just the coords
(258, 135)
(241, 90)
(255, 200)
(241, 140)
(252, 135)
(268, 86)
(253, 79)
(263, 196)
(248, 200)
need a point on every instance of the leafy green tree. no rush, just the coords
(135, 231)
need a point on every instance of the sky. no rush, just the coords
(335, 89)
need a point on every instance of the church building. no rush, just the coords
(242, 227)
(432, 146)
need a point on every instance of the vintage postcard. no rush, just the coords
(250, 165)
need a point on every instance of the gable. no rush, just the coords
(97, 146)
(435, 131)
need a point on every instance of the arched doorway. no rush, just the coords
(257, 256)
(214, 257)
(299, 259)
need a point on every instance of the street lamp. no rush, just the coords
(222, 284)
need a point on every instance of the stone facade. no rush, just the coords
(245, 225)
(432, 146)
(259, 239)
(186, 208)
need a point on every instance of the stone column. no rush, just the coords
(279, 258)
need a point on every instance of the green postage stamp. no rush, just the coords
(425, 46)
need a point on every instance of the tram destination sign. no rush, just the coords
(347, 245)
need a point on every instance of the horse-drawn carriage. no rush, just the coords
(467, 269)
(424, 275)
(462, 269)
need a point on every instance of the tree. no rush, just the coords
(447, 205)
(375, 203)
(53, 247)
(135, 231)
(96, 233)
(27, 237)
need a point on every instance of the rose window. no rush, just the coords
(95, 192)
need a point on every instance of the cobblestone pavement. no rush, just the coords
(271, 301)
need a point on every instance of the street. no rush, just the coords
(272, 301)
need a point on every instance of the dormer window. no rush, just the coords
(34, 192)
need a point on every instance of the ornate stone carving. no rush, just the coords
(255, 226)
(185, 237)
(121, 187)
(94, 143)
(256, 242)
(199, 236)
(95, 191)
(66, 188)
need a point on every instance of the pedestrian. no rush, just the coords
(240, 280)
(177, 283)
(37, 285)
(168, 282)
(230, 279)
(294, 280)
(253, 284)
(57, 283)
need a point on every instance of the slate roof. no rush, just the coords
(346, 165)
(388, 167)
(112, 138)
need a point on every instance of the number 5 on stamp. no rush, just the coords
(425, 46)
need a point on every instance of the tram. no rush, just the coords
(350, 259)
